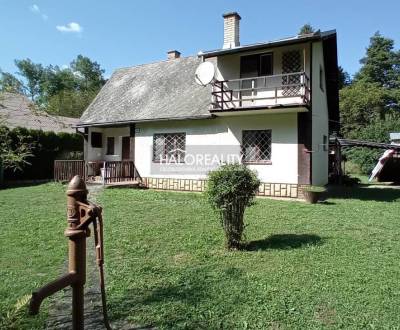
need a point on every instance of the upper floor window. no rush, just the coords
(256, 65)
(110, 145)
(169, 147)
(256, 146)
(96, 139)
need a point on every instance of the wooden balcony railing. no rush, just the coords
(289, 88)
(105, 172)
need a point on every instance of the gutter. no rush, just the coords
(127, 122)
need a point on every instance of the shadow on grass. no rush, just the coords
(284, 242)
(365, 193)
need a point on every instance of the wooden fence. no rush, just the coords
(108, 172)
(65, 170)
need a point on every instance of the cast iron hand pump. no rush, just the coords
(80, 214)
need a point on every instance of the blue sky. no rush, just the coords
(124, 33)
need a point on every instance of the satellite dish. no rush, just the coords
(205, 73)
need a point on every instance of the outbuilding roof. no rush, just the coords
(17, 110)
(157, 91)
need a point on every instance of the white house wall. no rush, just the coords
(319, 119)
(227, 131)
(100, 153)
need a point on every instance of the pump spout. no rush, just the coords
(49, 289)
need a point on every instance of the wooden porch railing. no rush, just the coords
(120, 171)
(65, 170)
(108, 171)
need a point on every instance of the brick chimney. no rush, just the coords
(173, 54)
(231, 30)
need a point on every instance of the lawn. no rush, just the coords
(333, 264)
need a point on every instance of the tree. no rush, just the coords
(9, 83)
(370, 105)
(344, 78)
(70, 103)
(34, 75)
(230, 189)
(88, 72)
(381, 63)
(63, 91)
(306, 29)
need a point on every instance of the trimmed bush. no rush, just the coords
(45, 148)
(230, 189)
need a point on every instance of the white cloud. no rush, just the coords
(72, 27)
(36, 10)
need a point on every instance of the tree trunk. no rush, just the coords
(232, 217)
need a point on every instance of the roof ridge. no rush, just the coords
(155, 62)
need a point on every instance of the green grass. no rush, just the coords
(333, 264)
(32, 249)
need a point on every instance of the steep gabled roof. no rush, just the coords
(17, 110)
(157, 91)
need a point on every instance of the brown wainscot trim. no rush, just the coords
(286, 190)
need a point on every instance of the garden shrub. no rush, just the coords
(45, 147)
(230, 189)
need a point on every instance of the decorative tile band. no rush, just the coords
(287, 190)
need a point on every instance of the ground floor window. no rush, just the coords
(169, 147)
(256, 146)
(110, 145)
(96, 139)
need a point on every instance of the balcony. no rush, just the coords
(265, 92)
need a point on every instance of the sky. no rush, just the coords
(123, 33)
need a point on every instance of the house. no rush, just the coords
(273, 104)
(17, 110)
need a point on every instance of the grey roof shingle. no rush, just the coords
(155, 91)
(18, 111)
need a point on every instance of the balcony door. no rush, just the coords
(253, 69)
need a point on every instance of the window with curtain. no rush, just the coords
(256, 146)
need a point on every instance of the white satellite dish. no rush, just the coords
(205, 73)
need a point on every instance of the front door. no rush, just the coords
(126, 147)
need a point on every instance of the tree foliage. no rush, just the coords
(9, 83)
(306, 29)
(370, 104)
(14, 153)
(344, 78)
(381, 63)
(63, 91)
(34, 76)
(231, 188)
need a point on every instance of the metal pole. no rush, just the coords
(76, 193)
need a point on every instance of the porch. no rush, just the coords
(101, 172)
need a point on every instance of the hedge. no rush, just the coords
(46, 147)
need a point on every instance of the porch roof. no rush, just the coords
(163, 90)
